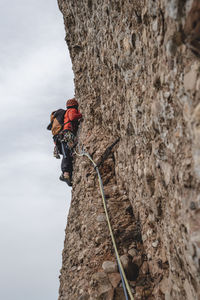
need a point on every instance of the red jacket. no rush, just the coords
(71, 118)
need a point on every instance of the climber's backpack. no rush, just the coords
(57, 121)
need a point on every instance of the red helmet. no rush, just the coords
(72, 102)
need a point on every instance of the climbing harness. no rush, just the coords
(125, 283)
(69, 138)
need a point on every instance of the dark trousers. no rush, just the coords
(67, 160)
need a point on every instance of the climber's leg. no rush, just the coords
(66, 164)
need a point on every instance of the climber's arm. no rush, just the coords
(74, 115)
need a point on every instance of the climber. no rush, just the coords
(64, 126)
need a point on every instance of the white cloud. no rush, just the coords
(35, 80)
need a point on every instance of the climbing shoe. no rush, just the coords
(66, 177)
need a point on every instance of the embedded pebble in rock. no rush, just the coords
(132, 252)
(115, 279)
(109, 266)
(145, 268)
(155, 244)
(137, 77)
(109, 295)
(190, 78)
(137, 260)
(101, 282)
(164, 285)
(125, 261)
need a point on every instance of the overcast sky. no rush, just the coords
(35, 79)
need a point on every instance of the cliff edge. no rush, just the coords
(137, 78)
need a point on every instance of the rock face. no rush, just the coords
(137, 82)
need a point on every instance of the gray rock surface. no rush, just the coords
(137, 78)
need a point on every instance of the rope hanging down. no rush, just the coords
(125, 283)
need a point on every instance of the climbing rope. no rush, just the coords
(125, 283)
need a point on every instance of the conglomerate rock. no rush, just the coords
(137, 79)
